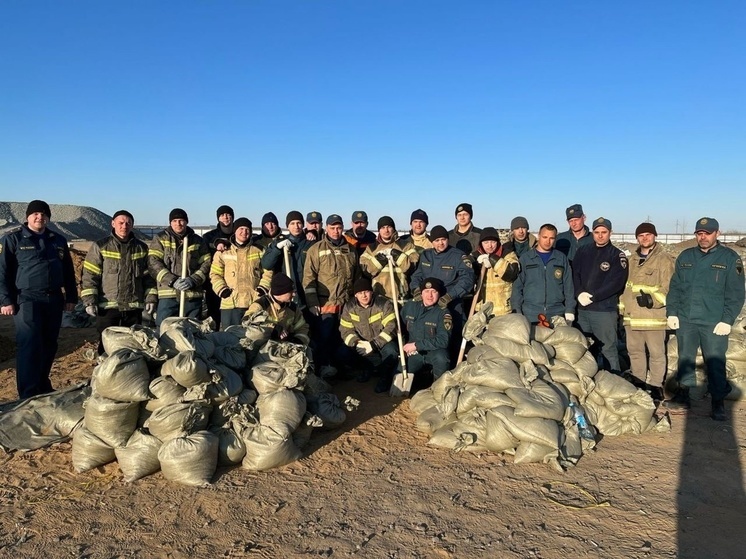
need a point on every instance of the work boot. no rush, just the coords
(718, 410)
(680, 400)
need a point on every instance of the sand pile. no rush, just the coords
(74, 222)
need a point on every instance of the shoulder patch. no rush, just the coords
(448, 321)
(739, 264)
(467, 261)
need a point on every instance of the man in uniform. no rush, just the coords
(544, 284)
(375, 263)
(270, 230)
(165, 255)
(290, 326)
(313, 231)
(418, 223)
(35, 268)
(368, 325)
(643, 308)
(427, 327)
(218, 240)
(502, 268)
(115, 279)
(455, 270)
(704, 299)
(328, 276)
(358, 235)
(237, 275)
(599, 273)
(568, 242)
(464, 236)
(520, 240)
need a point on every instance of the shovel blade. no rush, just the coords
(401, 385)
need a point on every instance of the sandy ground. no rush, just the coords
(373, 488)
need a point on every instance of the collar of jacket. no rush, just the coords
(27, 232)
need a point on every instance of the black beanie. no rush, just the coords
(225, 210)
(270, 217)
(464, 208)
(386, 220)
(421, 215)
(295, 215)
(124, 213)
(362, 284)
(242, 222)
(489, 234)
(178, 213)
(433, 283)
(438, 232)
(646, 228)
(38, 206)
(281, 284)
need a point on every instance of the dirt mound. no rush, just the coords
(74, 222)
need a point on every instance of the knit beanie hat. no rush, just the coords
(281, 284)
(124, 213)
(178, 213)
(419, 214)
(518, 222)
(489, 234)
(465, 208)
(242, 222)
(269, 217)
(362, 284)
(38, 206)
(433, 283)
(645, 227)
(225, 210)
(438, 232)
(386, 220)
(295, 215)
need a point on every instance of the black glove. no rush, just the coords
(225, 293)
(261, 291)
(395, 254)
(645, 300)
(382, 260)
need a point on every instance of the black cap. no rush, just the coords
(225, 210)
(362, 284)
(419, 214)
(242, 222)
(518, 222)
(294, 215)
(465, 208)
(386, 220)
(433, 283)
(314, 217)
(280, 284)
(437, 232)
(334, 218)
(709, 224)
(124, 213)
(601, 222)
(40, 206)
(269, 217)
(489, 234)
(178, 213)
(359, 215)
(576, 210)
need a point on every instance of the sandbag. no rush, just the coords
(266, 448)
(482, 397)
(122, 376)
(165, 391)
(610, 385)
(223, 384)
(328, 408)
(422, 400)
(89, 451)
(509, 349)
(586, 365)
(448, 381)
(295, 364)
(530, 429)
(513, 327)
(499, 373)
(432, 419)
(224, 338)
(111, 421)
(224, 411)
(230, 356)
(497, 437)
(541, 400)
(183, 334)
(457, 436)
(136, 337)
(187, 368)
(528, 453)
(191, 459)
(175, 420)
(570, 351)
(231, 448)
(139, 457)
(302, 435)
(282, 410)
(316, 385)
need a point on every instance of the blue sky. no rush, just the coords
(634, 109)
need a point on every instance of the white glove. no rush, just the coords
(91, 309)
(569, 317)
(150, 308)
(722, 329)
(483, 260)
(673, 322)
(585, 298)
(386, 252)
(285, 244)
(363, 347)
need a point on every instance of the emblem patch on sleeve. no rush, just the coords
(448, 322)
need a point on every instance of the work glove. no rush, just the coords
(395, 253)
(484, 260)
(444, 300)
(386, 252)
(261, 291)
(315, 311)
(673, 322)
(221, 245)
(381, 258)
(150, 308)
(416, 295)
(363, 347)
(585, 298)
(91, 309)
(645, 300)
(722, 329)
(225, 293)
(569, 317)
(285, 244)
(184, 284)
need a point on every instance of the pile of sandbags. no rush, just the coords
(735, 365)
(191, 399)
(513, 394)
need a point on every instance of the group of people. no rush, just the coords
(345, 292)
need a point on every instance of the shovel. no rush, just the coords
(402, 383)
(182, 294)
(286, 257)
(462, 349)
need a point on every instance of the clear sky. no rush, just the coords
(637, 110)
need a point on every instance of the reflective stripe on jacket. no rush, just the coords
(164, 262)
(650, 275)
(375, 323)
(239, 268)
(403, 267)
(329, 273)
